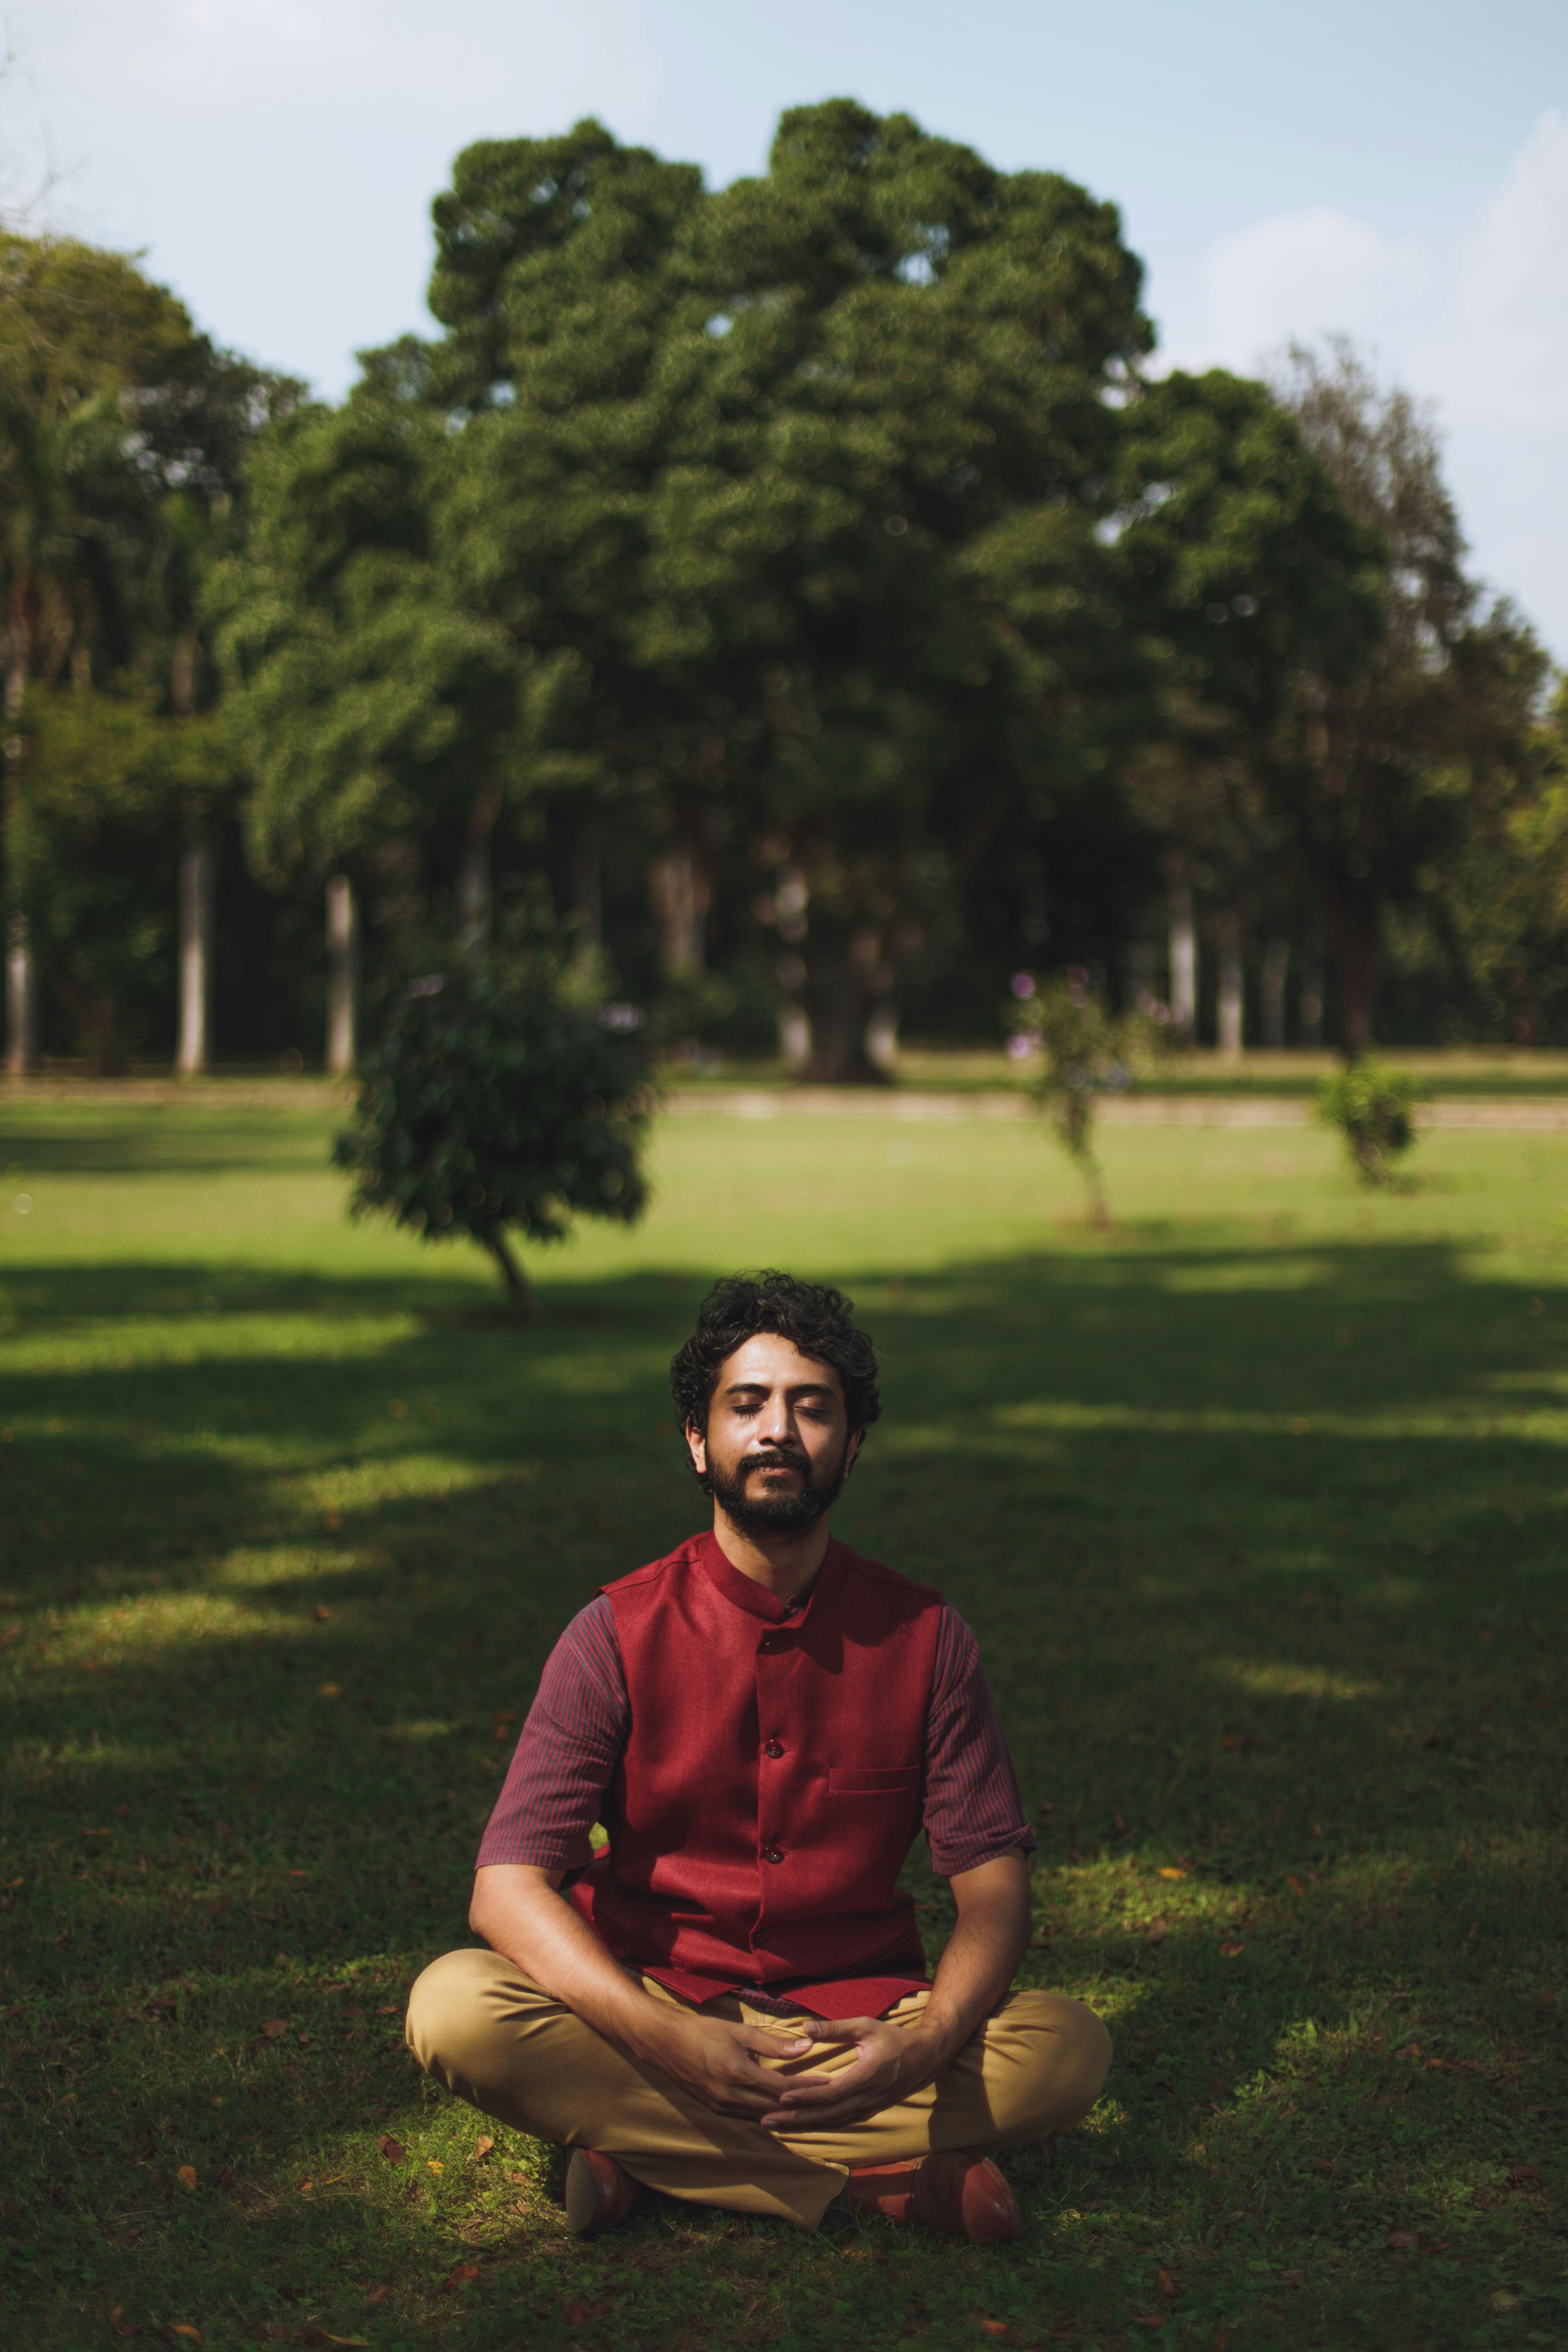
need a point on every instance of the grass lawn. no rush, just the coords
(1255, 1506)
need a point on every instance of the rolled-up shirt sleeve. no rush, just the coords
(973, 1811)
(566, 1753)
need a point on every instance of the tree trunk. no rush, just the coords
(1184, 956)
(1310, 1007)
(1276, 964)
(198, 880)
(679, 895)
(881, 1040)
(1357, 977)
(794, 1036)
(588, 892)
(1354, 930)
(1232, 1005)
(21, 971)
(342, 977)
(21, 1001)
(1098, 1205)
(475, 891)
(843, 980)
(524, 1304)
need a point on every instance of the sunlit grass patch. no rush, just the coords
(1256, 1508)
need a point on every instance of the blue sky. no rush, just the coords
(1397, 171)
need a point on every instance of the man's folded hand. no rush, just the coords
(890, 2062)
(720, 2063)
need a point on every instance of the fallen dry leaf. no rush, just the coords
(1000, 2328)
(344, 2339)
(275, 2028)
(483, 2146)
(1156, 1931)
(1166, 1872)
(330, 1690)
(186, 2176)
(461, 2275)
(435, 2164)
(1524, 2172)
(1294, 1885)
(320, 1612)
(182, 2328)
(1148, 2319)
(392, 2150)
(1400, 2238)
(1167, 2281)
(225, 2176)
(1231, 1951)
(377, 2296)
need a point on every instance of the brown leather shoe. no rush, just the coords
(599, 2195)
(958, 2191)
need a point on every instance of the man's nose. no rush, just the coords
(774, 1425)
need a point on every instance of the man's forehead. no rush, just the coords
(769, 1359)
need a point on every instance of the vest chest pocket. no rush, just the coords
(854, 1781)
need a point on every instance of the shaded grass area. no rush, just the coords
(1257, 1510)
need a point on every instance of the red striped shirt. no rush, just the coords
(578, 1724)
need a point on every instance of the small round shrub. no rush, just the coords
(1371, 1106)
(495, 1098)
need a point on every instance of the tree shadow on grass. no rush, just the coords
(280, 1142)
(1263, 1550)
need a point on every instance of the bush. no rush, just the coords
(498, 1095)
(1083, 1050)
(1371, 1106)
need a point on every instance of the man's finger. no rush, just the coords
(838, 2029)
(820, 2090)
(770, 2045)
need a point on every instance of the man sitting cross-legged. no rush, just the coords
(732, 2004)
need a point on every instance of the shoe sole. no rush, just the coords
(584, 2198)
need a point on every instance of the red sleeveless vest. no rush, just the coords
(772, 1781)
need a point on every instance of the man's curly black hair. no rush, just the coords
(812, 1314)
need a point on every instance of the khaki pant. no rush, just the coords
(490, 2034)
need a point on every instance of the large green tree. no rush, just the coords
(886, 561)
(1392, 755)
(123, 432)
(785, 502)
(1243, 574)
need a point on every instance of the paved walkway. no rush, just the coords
(314, 1095)
(1116, 1110)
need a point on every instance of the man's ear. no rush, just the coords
(855, 1437)
(697, 1446)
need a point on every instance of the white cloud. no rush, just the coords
(1310, 274)
(1476, 324)
(1504, 351)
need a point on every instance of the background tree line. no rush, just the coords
(801, 597)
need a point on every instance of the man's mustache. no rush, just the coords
(782, 1461)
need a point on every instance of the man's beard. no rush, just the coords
(777, 1514)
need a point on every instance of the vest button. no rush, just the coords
(772, 1748)
(773, 1854)
(766, 1642)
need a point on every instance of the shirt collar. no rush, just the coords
(755, 1598)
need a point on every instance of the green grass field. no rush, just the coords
(1255, 1506)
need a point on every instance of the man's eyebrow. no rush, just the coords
(795, 1389)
